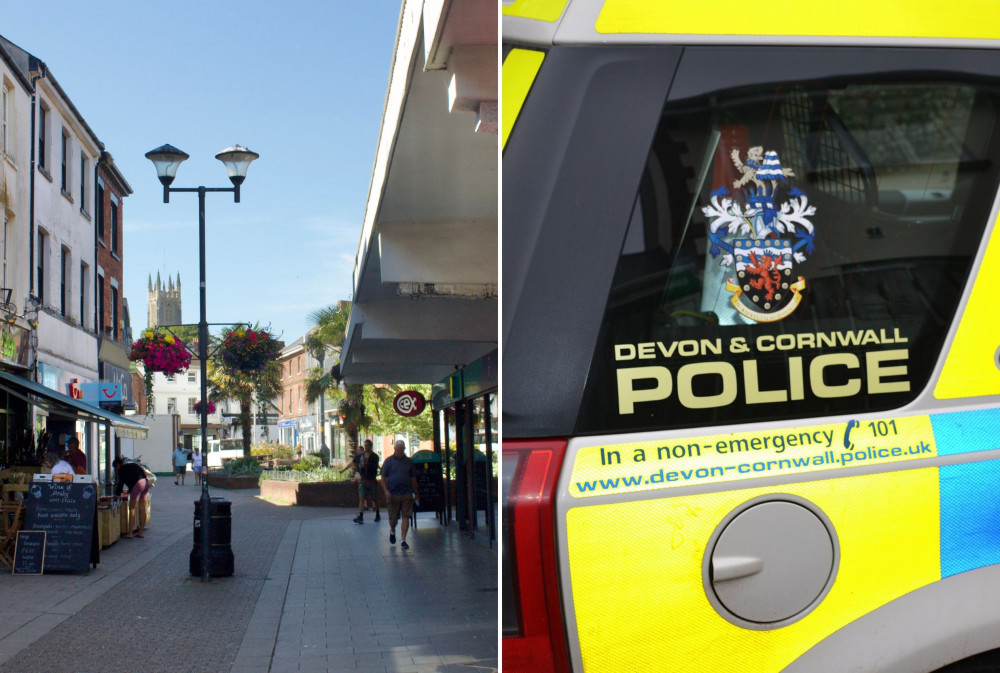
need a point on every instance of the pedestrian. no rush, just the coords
(57, 464)
(367, 474)
(133, 476)
(399, 480)
(180, 463)
(196, 466)
(77, 458)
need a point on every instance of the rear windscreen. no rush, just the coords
(794, 250)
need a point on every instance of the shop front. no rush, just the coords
(465, 412)
(57, 418)
(35, 421)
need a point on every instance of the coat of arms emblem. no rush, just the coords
(761, 240)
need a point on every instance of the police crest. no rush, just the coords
(761, 240)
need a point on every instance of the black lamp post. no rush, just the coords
(237, 159)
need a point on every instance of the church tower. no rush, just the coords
(164, 302)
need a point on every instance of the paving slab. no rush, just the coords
(311, 592)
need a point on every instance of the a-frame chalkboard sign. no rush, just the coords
(67, 512)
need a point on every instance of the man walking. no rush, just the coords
(367, 470)
(399, 480)
(180, 463)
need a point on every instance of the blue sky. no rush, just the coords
(300, 82)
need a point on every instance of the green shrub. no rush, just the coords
(241, 466)
(310, 462)
(322, 459)
(306, 476)
(273, 449)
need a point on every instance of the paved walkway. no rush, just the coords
(312, 591)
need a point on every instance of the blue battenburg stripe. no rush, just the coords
(966, 431)
(970, 493)
(970, 516)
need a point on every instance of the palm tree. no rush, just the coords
(245, 387)
(329, 333)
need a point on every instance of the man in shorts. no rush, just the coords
(366, 465)
(399, 480)
(180, 464)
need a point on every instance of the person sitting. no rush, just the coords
(133, 476)
(57, 464)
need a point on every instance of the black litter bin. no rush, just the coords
(220, 558)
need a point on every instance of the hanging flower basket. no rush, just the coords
(159, 352)
(248, 350)
(211, 407)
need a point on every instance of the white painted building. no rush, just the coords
(177, 394)
(15, 172)
(61, 157)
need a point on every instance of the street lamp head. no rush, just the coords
(166, 159)
(237, 159)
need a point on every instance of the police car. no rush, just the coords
(751, 343)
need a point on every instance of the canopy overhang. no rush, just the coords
(58, 404)
(426, 271)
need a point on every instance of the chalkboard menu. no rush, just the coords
(430, 481)
(67, 512)
(29, 552)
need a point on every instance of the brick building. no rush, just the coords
(295, 422)
(113, 363)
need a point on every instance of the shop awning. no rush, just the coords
(63, 405)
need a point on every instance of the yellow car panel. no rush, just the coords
(636, 573)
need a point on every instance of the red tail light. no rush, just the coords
(533, 635)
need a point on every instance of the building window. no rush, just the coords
(63, 281)
(83, 181)
(83, 294)
(63, 163)
(192, 377)
(172, 378)
(100, 302)
(299, 365)
(114, 312)
(6, 231)
(171, 405)
(41, 266)
(114, 224)
(191, 402)
(43, 115)
(99, 209)
(3, 116)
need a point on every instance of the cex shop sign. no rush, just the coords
(104, 394)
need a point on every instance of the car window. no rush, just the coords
(794, 250)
